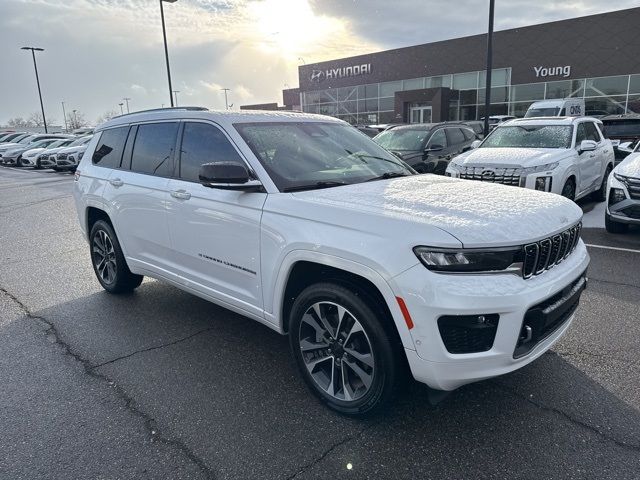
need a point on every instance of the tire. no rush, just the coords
(366, 382)
(108, 261)
(614, 227)
(19, 161)
(600, 195)
(56, 169)
(569, 189)
(37, 166)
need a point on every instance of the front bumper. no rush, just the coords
(48, 162)
(29, 161)
(430, 296)
(627, 210)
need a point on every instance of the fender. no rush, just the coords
(343, 264)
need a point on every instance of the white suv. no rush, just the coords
(299, 222)
(623, 194)
(568, 156)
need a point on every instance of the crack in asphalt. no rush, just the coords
(621, 284)
(330, 450)
(627, 446)
(131, 405)
(156, 347)
(17, 206)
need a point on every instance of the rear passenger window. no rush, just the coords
(438, 138)
(108, 152)
(153, 149)
(456, 136)
(203, 143)
(468, 134)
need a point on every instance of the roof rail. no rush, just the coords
(164, 109)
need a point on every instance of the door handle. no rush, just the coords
(116, 182)
(181, 194)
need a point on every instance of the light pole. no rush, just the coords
(166, 50)
(176, 92)
(75, 119)
(487, 92)
(35, 66)
(226, 100)
(121, 110)
(64, 115)
(126, 99)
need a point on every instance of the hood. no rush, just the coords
(519, 157)
(7, 146)
(630, 166)
(478, 214)
(32, 151)
(75, 149)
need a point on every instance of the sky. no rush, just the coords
(99, 51)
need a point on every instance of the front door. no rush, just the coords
(420, 114)
(215, 233)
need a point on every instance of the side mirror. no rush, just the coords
(434, 148)
(227, 176)
(475, 143)
(587, 146)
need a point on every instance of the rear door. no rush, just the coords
(137, 194)
(215, 233)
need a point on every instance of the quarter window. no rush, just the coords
(203, 143)
(108, 152)
(153, 149)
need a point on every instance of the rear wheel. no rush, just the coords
(614, 227)
(38, 165)
(600, 195)
(342, 349)
(108, 260)
(19, 161)
(569, 189)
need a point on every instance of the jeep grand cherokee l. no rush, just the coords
(307, 226)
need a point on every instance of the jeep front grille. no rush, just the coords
(544, 254)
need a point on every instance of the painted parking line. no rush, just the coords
(612, 248)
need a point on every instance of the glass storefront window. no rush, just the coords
(565, 89)
(519, 109)
(465, 81)
(347, 93)
(498, 95)
(439, 81)
(597, 87)
(634, 84)
(468, 97)
(605, 105)
(368, 91)
(389, 89)
(349, 106)
(327, 109)
(413, 84)
(527, 91)
(387, 103)
(499, 77)
(468, 112)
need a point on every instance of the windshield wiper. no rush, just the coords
(313, 186)
(387, 175)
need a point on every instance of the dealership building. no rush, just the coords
(595, 57)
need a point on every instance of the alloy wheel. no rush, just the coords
(104, 256)
(336, 351)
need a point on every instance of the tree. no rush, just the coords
(35, 120)
(19, 122)
(75, 119)
(106, 116)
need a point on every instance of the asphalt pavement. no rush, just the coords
(161, 384)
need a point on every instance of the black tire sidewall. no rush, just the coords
(601, 193)
(385, 358)
(567, 183)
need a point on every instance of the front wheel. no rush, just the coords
(569, 189)
(614, 227)
(108, 260)
(344, 353)
(600, 195)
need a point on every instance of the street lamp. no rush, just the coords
(64, 115)
(226, 100)
(487, 92)
(176, 92)
(166, 50)
(35, 66)
(126, 99)
(121, 110)
(75, 119)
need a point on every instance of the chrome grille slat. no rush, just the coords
(502, 175)
(548, 252)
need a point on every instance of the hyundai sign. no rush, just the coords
(342, 72)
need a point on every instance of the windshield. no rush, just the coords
(59, 143)
(306, 154)
(529, 136)
(80, 141)
(543, 112)
(26, 140)
(402, 139)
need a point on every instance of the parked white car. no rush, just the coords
(299, 222)
(568, 156)
(561, 107)
(623, 194)
(30, 157)
(68, 158)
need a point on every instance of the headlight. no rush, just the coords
(540, 168)
(620, 178)
(466, 260)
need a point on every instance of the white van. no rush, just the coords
(562, 107)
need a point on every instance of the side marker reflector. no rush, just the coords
(405, 312)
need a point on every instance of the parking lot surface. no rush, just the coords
(161, 384)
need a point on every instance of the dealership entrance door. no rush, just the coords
(420, 114)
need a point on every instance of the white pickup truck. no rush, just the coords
(567, 155)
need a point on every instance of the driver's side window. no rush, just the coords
(203, 143)
(438, 138)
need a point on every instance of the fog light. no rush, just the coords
(543, 184)
(616, 195)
